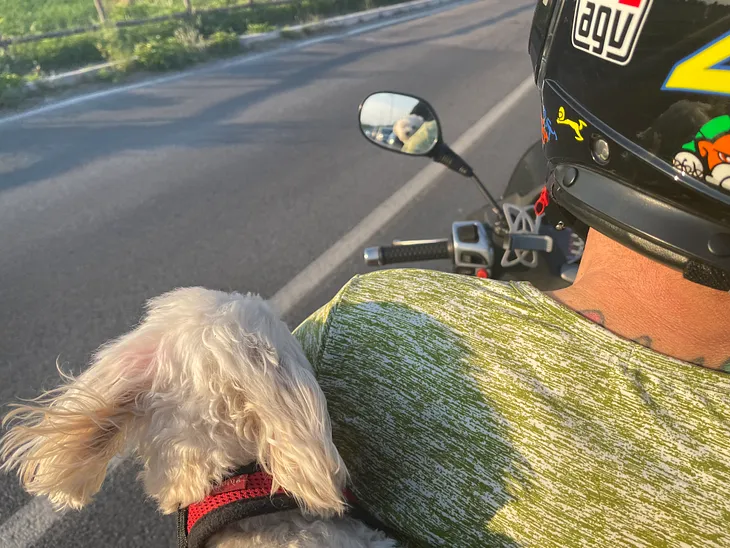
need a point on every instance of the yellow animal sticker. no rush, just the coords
(707, 70)
(576, 126)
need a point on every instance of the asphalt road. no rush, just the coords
(234, 177)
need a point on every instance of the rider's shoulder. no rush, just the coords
(408, 308)
(392, 303)
(420, 287)
(396, 296)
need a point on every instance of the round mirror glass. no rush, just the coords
(400, 123)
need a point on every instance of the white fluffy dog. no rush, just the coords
(407, 126)
(207, 383)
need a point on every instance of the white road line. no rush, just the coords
(317, 272)
(242, 60)
(31, 522)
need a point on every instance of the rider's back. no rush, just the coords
(483, 413)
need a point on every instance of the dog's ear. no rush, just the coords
(279, 406)
(206, 381)
(61, 443)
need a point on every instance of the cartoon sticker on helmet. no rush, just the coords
(547, 128)
(707, 156)
(576, 126)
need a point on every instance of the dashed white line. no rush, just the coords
(31, 522)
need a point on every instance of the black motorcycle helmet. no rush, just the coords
(636, 124)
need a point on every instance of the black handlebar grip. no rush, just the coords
(412, 253)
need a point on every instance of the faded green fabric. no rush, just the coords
(482, 413)
(422, 140)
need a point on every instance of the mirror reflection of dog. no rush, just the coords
(207, 383)
(407, 126)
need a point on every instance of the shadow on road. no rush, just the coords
(63, 147)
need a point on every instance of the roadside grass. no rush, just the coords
(22, 17)
(167, 45)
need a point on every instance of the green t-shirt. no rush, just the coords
(482, 413)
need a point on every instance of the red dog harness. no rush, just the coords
(244, 494)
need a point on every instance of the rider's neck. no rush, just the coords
(643, 300)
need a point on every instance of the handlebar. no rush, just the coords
(473, 245)
(411, 253)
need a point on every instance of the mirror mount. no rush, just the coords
(443, 154)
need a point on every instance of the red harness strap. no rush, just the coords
(244, 487)
(245, 494)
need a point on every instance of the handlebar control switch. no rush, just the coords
(473, 247)
(468, 233)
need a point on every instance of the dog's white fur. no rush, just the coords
(208, 382)
(407, 126)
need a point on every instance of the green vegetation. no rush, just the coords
(259, 28)
(223, 43)
(164, 54)
(165, 45)
(21, 17)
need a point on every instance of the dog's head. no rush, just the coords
(207, 382)
(406, 127)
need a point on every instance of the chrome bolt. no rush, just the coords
(601, 151)
(560, 225)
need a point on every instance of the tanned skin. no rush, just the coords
(651, 304)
